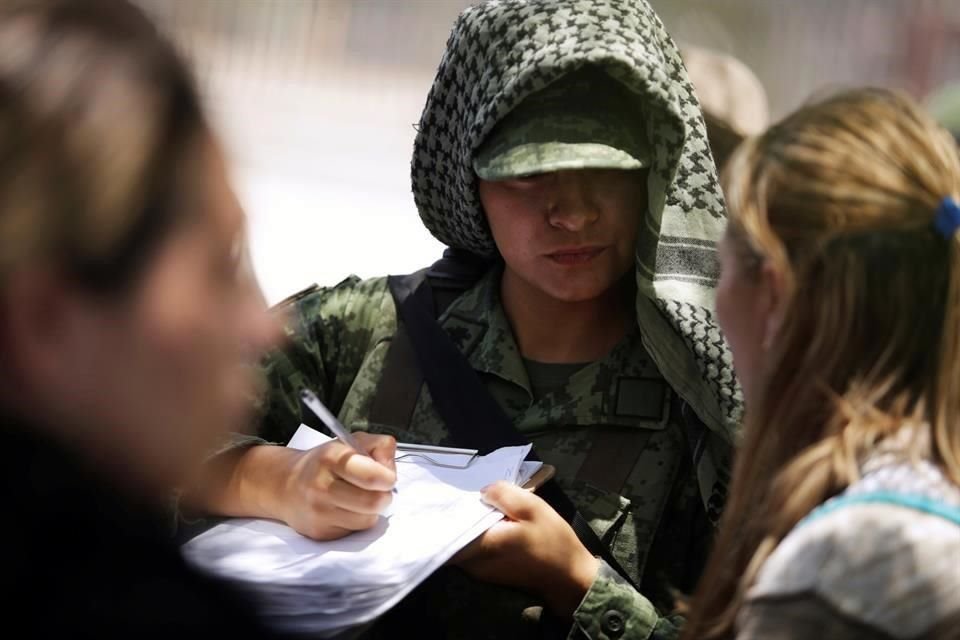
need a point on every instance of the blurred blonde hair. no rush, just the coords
(840, 199)
(96, 111)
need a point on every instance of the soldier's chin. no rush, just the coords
(574, 291)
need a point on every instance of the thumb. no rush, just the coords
(514, 502)
(366, 473)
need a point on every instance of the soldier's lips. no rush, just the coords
(577, 256)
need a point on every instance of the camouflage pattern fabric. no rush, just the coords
(503, 51)
(614, 611)
(654, 519)
(585, 120)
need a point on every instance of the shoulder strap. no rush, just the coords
(921, 503)
(401, 380)
(471, 415)
(482, 425)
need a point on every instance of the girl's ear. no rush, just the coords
(773, 302)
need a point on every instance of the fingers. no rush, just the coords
(332, 490)
(514, 502)
(355, 468)
(334, 523)
(351, 498)
(383, 449)
(352, 521)
(366, 473)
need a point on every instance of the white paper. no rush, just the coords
(307, 438)
(325, 587)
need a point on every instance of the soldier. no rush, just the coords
(562, 155)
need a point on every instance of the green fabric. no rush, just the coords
(612, 610)
(547, 377)
(338, 338)
(586, 120)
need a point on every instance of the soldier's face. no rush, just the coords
(568, 234)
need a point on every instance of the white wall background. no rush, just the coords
(316, 101)
(326, 200)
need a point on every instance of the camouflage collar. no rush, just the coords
(478, 326)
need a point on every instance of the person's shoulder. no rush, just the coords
(352, 304)
(882, 564)
(351, 288)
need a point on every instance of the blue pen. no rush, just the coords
(313, 403)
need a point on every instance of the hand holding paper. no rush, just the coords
(323, 588)
(533, 549)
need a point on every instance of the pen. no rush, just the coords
(313, 403)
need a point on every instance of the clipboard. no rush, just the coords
(448, 457)
(538, 479)
(453, 458)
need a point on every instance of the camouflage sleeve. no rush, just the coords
(613, 609)
(329, 332)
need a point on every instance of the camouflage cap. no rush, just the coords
(586, 120)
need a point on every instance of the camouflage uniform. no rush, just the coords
(646, 482)
(651, 514)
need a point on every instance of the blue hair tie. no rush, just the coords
(947, 220)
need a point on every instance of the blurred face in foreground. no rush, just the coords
(147, 381)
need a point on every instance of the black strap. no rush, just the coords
(471, 414)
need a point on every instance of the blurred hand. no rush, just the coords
(331, 490)
(534, 549)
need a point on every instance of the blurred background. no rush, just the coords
(316, 101)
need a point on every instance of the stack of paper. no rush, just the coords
(323, 588)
